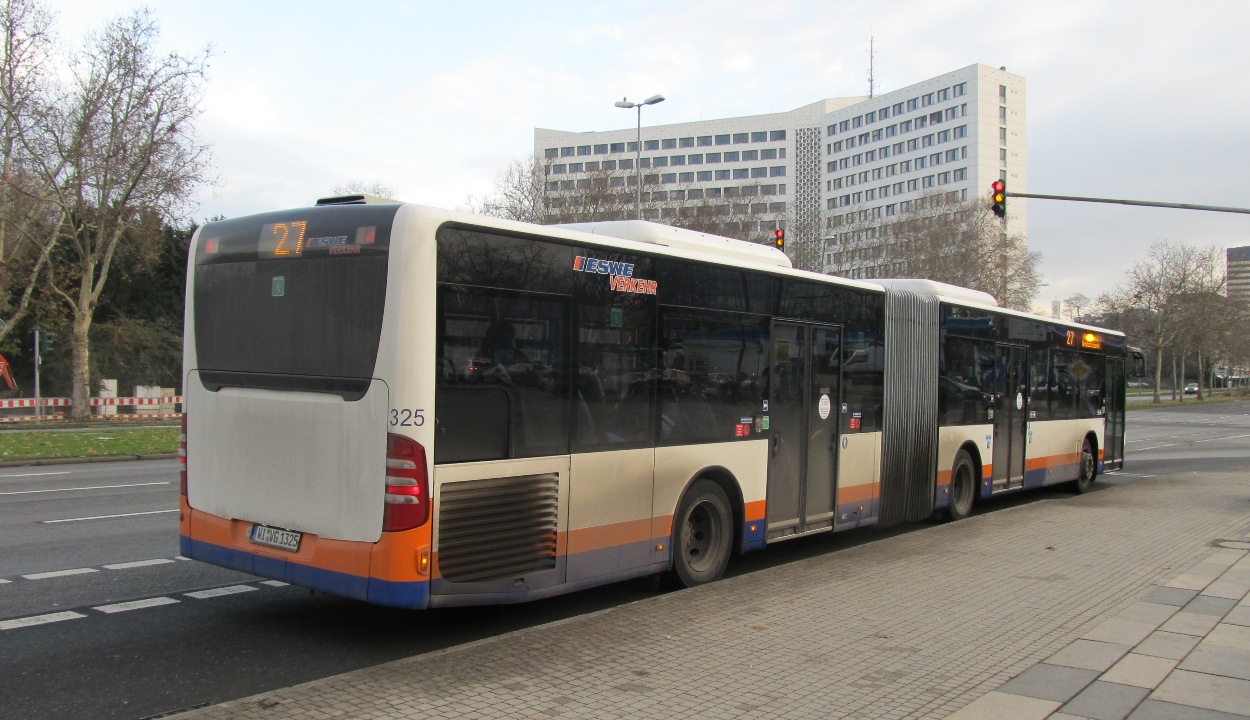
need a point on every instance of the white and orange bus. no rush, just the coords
(421, 408)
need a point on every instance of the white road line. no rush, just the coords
(39, 620)
(218, 592)
(135, 605)
(3, 581)
(274, 583)
(179, 557)
(1234, 437)
(41, 474)
(95, 487)
(1192, 442)
(137, 563)
(59, 573)
(105, 517)
(1124, 474)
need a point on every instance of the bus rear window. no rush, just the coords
(292, 300)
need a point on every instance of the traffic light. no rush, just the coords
(779, 238)
(44, 345)
(998, 196)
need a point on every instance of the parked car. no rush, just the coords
(1191, 389)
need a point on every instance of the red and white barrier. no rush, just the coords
(58, 408)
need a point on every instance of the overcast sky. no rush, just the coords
(1141, 99)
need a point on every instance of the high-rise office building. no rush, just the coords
(818, 170)
(1238, 265)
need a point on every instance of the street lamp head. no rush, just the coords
(653, 100)
(625, 104)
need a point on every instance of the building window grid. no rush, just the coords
(946, 114)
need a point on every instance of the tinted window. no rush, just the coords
(711, 378)
(293, 299)
(965, 381)
(702, 286)
(502, 384)
(613, 397)
(471, 257)
(1076, 384)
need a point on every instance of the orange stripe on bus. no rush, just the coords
(1052, 461)
(754, 511)
(606, 536)
(857, 493)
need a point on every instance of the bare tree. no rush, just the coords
(940, 238)
(1163, 298)
(27, 219)
(1074, 305)
(116, 147)
(360, 187)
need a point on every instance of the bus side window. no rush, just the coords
(505, 394)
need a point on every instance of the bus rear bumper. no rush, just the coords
(412, 595)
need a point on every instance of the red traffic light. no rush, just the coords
(998, 197)
(779, 236)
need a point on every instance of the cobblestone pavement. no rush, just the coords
(920, 624)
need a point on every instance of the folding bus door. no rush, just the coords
(803, 399)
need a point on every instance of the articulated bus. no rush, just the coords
(420, 408)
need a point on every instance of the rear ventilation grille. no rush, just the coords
(500, 528)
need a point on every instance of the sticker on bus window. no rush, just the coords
(824, 407)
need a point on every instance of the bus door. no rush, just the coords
(803, 413)
(1113, 399)
(1011, 394)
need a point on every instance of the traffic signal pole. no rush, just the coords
(1142, 203)
(38, 361)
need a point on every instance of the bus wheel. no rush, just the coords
(1089, 468)
(963, 487)
(702, 534)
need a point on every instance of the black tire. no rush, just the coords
(963, 487)
(1088, 469)
(702, 535)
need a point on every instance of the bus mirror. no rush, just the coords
(1139, 364)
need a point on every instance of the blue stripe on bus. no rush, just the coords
(754, 540)
(382, 592)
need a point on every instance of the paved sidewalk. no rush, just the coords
(1130, 601)
(1183, 651)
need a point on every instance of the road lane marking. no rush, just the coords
(1234, 437)
(59, 573)
(274, 583)
(95, 487)
(39, 620)
(1124, 474)
(1192, 442)
(105, 517)
(3, 581)
(135, 605)
(136, 563)
(218, 592)
(39, 474)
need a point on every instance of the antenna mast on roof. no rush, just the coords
(872, 55)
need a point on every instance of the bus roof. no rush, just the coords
(683, 239)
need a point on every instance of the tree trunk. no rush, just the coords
(81, 368)
(1158, 371)
(1202, 378)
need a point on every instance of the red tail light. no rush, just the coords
(182, 457)
(407, 487)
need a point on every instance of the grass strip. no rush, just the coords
(88, 442)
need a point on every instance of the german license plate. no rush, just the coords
(276, 537)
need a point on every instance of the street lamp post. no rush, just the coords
(626, 104)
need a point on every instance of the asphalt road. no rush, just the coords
(100, 619)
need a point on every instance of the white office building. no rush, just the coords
(823, 170)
